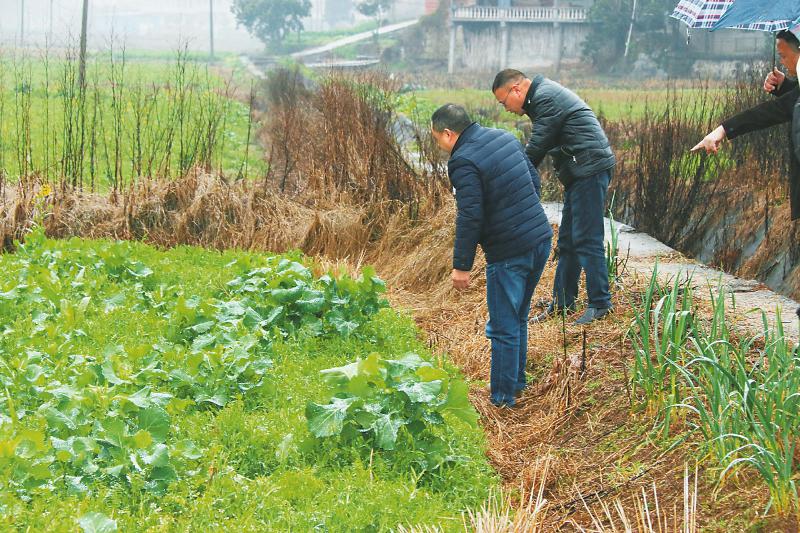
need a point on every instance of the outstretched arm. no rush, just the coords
(762, 116)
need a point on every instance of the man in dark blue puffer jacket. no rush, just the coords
(497, 196)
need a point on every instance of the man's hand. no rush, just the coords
(711, 142)
(460, 279)
(774, 80)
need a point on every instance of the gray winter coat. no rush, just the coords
(566, 128)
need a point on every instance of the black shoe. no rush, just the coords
(593, 313)
(551, 312)
(798, 312)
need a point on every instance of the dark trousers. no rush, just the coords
(581, 243)
(509, 287)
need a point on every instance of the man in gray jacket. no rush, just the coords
(567, 129)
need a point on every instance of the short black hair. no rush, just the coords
(505, 76)
(452, 117)
(790, 39)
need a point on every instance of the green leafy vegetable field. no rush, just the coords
(193, 390)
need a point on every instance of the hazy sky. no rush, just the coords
(147, 24)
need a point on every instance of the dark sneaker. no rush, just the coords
(593, 313)
(550, 312)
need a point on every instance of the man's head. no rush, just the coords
(510, 88)
(447, 123)
(788, 47)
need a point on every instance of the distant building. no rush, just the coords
(494, 34)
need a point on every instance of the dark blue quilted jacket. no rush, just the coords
(497, 194)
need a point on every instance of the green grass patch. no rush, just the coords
(135, 118)
(169, 390)
(613, 104)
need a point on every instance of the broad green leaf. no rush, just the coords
(164, 473)
(430, 373)
(284, 296)
(285, 448)
(371, 367)
(142, 439)
(109, 373)
(342, 326)
(234, 308)
(328, 420)
(9, 295)
(56, 418)
(385, 428)
(273, 316)
(458, 403)
(114, 302)
(432, 417)
(251, 318)
(113, 431)
(139, 270)
(340, 375)
(97, 523)
(34, 437)
(8, 448)
(410, 362)
(360, 386)
(218, 399)
(155, 420)
(187, 308)
(75, 485)
(203, 341)
(203, 327)
(311, 306)
(114, 471)
(63, 456)
(187, 449)
(421, 391)
(159, 457)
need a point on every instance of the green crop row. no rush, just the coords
(151, 390)
(739, 393)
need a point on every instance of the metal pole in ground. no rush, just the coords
(211, 29)
(21, 23)
(82, 58)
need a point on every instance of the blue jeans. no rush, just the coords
(509, 288)
(581, 243)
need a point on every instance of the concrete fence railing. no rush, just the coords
(519, 14)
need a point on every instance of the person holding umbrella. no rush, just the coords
(787, 46)
(780, 110)
(773, 16)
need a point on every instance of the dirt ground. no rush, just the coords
(575, 434)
